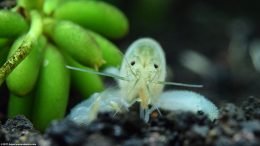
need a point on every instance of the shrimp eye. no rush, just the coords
(133, 63)
(155, 66)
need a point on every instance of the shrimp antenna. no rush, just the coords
(96, 72)
(179, 84)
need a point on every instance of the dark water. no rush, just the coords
(221, 31)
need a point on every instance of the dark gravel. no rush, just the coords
(236, 126)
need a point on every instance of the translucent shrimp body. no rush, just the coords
(143, 65)
(86, 111)
(141, 78)
(188, 101)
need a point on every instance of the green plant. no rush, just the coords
(44, 37)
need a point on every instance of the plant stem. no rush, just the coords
(25, 48)
(31, 4)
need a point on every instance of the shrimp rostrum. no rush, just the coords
(141, 79)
